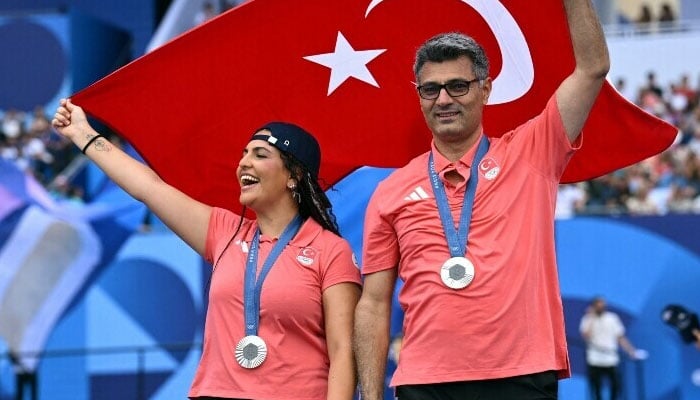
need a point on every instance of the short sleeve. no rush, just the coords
(380, 245)
(341, 266)
(222, 224)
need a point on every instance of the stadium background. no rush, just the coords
(135, 330)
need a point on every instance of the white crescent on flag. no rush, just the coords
(517, 72)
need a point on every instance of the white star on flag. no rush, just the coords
(345, 62)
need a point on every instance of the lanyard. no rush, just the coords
(253, 286)
(457, 240)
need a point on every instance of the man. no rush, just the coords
(603, 331)
(483, 314)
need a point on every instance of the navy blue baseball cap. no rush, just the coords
(294, 141)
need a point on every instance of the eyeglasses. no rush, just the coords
(455, 88)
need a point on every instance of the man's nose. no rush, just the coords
(444, 97)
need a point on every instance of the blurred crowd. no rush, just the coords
(28, 141)
(666, 183)
(664, 18)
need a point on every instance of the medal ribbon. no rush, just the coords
(457, 240)
(253, 286)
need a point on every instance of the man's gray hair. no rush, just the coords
(451, 46)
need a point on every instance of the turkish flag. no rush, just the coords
(343, 70)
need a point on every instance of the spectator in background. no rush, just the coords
(652, 103)
(603, 331)
(38, 157)
(33, 143)
(8, 151)
(691, 130)
(683, 88)
(644, 19)
(685, 184)
(653, 86)
(40, 124)
(676, 104)
(62, 151)
(667, 18)
(571, 200)
(13, 124)
(608, 194)
(641, 202)
(625, 90)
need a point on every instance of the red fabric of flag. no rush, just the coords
(343, 70)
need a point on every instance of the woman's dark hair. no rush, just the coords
(312, 200)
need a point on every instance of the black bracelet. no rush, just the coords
(92, 139)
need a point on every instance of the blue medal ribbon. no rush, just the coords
(253, 286)
(457, 239)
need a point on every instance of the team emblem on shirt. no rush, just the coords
(489, 168)
(306, 256)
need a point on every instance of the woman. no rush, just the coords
(290, 338)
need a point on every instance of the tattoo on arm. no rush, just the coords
(100, 142)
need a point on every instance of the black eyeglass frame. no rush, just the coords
(446, 87)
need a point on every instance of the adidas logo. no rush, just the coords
(417, 194)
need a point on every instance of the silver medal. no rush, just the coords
(457, 272)
(251, 351)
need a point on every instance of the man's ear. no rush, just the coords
(486, 90)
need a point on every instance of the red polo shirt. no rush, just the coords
(291, 312)
(509, 320)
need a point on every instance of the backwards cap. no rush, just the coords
(294, 141)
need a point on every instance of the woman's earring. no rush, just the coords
(295, 195)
